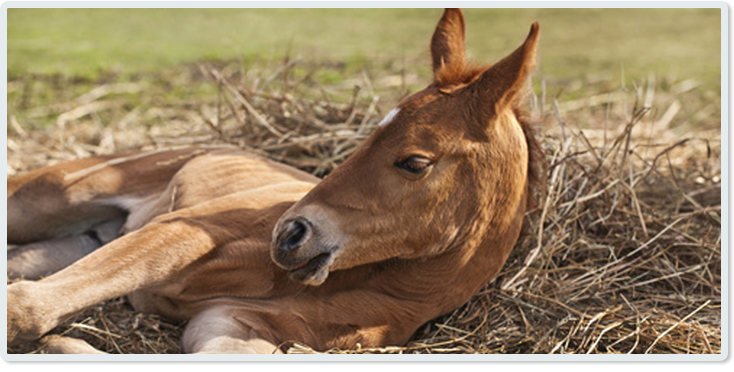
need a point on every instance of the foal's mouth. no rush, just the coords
(312, 271)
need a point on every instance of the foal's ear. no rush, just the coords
(502, 83)
(447, 44)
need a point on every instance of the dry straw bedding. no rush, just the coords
(622, 254)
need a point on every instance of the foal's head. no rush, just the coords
(446, 168)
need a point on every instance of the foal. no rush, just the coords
(257, 255)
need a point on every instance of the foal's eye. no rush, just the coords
(415, 164)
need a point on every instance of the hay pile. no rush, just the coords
(624, 250)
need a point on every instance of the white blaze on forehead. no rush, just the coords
(390, 116)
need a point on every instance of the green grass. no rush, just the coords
(681, 43)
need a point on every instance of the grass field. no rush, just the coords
(575, 42)
(624, 250)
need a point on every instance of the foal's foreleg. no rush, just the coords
(222, 330)
(138, 260)
(55, 344)
(216, 330)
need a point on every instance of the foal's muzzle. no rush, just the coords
(297, 249)
(293, 234)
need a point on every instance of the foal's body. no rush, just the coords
(219, 272)
(256, 254)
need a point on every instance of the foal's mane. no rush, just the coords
(457, 75)
(536, 160)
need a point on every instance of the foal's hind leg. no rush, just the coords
(35, 260)
(60, 213)
(73, 197)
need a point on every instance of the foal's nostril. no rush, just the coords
(294, 234)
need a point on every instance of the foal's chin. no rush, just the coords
(314, 279)
(315, 272)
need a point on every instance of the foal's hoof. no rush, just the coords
(21, 318)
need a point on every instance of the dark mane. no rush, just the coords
(457, 75)
(536, 161)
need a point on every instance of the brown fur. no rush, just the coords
(257, 255)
